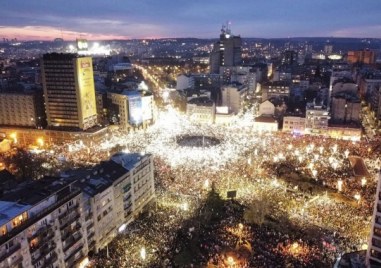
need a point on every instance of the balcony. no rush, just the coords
(68, 243)
(17, 262)
(69, 221)
(89, 217)
(90, 236)
(92, 245)
(10, 252)
(45, 232)
(65, 234)
(68, 212)
(91, 225)
(70, 260)
(52, 259)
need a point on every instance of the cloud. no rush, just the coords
(49, 33)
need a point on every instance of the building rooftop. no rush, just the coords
(97, 179)
(128, 161)
(265, 119)
(9, 210)
(202, 101)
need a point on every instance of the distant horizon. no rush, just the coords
(189, 37)
(150, 19)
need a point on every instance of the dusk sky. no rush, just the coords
(125, 19)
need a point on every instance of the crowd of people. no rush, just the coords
(306, 182)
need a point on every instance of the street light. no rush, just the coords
(231, 261)
(143, 253)
(363, 182)
(14, 137)
(40, 142)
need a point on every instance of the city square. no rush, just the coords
(306, 181)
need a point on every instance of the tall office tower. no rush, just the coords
(226, 52)
(373, 256)
(69, 91)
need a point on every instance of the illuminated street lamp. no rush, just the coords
(14, 137)
(40, 142)
(357, 197)
(363, 182)
(185, 206)
(231, 261)
(143, 253)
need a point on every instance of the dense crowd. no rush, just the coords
(306, 182)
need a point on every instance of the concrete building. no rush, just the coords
(373, 256)
(233, 96)
(139, 190)
(42, 226)
(226, 52)
(294, 124)
(201, 110)
(375, 104)
(21, 109)
(69, 91)
(317, 118)
(275, 90)
(56, 222)
(132, 108)
(184, 81)
(345, 108)
(368, 85)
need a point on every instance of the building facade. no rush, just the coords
(293, 124)
(345, 108)
(184, 81)
(43, 226)
(20, 109)
(233, 96)
(56, 222)
(275, 90)
(201, 110)
(316, 119)
(69, 91)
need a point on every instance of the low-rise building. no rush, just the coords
(275, 90)
(317, 117)
(201, 110)
(265, 123)
(294, 124)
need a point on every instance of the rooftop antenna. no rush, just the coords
(228, 30)
(223, 29)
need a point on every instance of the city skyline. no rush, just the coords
(99, 20)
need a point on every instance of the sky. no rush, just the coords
(138, 19)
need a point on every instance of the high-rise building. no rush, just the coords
(69, 91)
(226, 52)
(373, 256)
